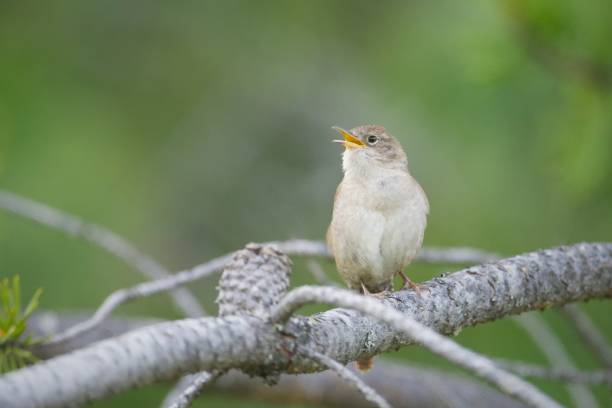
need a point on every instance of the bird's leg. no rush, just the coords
(378, 295)
(409, 284)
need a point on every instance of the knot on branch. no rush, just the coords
(254, 281)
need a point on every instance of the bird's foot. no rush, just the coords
(409, 284)
(378, 295)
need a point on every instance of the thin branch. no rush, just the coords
(475, 363)
(46, 324)
(195, 385)
(590, 333)
(121, 296)
(347, 375)
(601, 377)
(165, 351)
(145, 289)
(456, 255)
(181, 385)
(103, 238)
(317, 272)
(556, 354)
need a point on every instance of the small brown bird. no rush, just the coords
(380, 211)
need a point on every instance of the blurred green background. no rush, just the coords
(195, 127)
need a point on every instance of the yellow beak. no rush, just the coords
(349, 141)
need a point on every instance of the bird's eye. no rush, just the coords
(372, 140)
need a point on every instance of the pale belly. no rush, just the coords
(371, 247)
(377, 227)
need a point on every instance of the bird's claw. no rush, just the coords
(409, 284)
(380, 295)
(414, 286)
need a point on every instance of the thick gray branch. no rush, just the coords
(163, 351)
(479, 294)
(400, 384)
(475, 295)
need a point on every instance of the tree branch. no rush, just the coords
(103, 238)
(196, 384)
(555, 353)
(348, 376)
(400, 384)
(166, 350)
(602, 377)
(297, 247)
(589, 333)
(319, 275)
(456, 255)
(417, 332)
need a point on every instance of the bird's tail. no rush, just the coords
(365, 364)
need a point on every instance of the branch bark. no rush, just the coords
(401, 384)
(475, 295)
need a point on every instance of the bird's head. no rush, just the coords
(370, 147)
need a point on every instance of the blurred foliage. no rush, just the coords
(14, 345)
(193, 128)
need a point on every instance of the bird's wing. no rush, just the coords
(329, 236)
(424, 197)
(329, 239)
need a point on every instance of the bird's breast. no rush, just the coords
(386, 193)
(377, 226)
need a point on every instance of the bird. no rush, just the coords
(379, 212)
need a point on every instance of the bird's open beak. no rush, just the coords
(349, 141)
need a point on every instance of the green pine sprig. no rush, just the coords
(14, 345)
